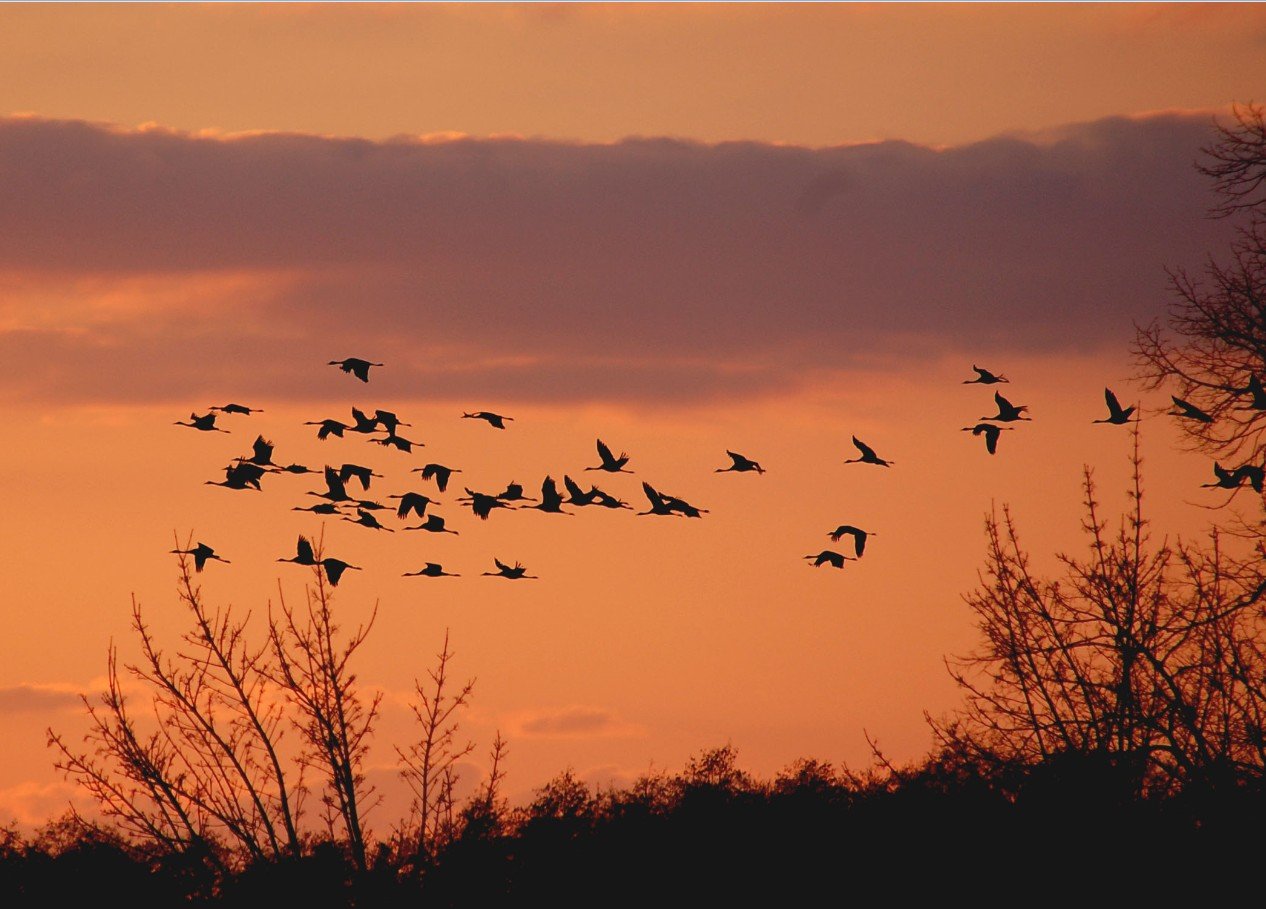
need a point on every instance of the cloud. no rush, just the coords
(573, 722)
(37, 699)
(647, 269)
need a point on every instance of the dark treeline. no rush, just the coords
(953, 824)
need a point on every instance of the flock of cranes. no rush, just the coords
(341, 499)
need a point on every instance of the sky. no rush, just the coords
(679, 229)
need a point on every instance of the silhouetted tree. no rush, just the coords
(429, 764)
(1213, 346)
(312, 666)
(1147, 655)
(211, 769)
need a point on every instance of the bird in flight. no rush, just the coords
(433, 524)
(505, 571)
(237, 408)
(514, 493)
(1227, 479)
(335, 490)
(412, 501)
(363, 423)
(399, 442)
(868, 455)
(606, 500)
(659, 504)
(356, 366)
(830, 557)
(859, 537)
(241, 475)
(610, 462)
(262, 453)
(740, 465)
(1189, 410)
(366, 519)
(294, 468)
(990, 432)
(576, 495)
(481, 503)
(200, 554)
(1007, 412)
(304, 554)
(551, 500)
(493, 419)
(334, 569)
(205, 423)
(431, 570)
(389, 421)
(328, 428)
(437, 472)
(320, 508)
(347, 471)
(1117, 415)
(1257, 392)
(985, 377)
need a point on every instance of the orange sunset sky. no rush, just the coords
(682, 229)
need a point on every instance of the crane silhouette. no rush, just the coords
(431, 570)
(1258, 394)
(370, 505)
(433, 524)
(859, 537)
(412, 501)
(356, 366)
(237, 408)
(398, 442)
(303, 553)
(505, 571)
(389, 421)
(334, 569)
(1255, 475)
(437, 472)
(242, 475)
(205, 423)
(262, 453)
(347, 471)
(985, 377)
(551, 500)
(320, 508)
(740, 465)
(201, 553)
(481, 503)
(681, 506)
(493, 419)
(295, 468)
(868, 455)
(1232, 479)
(610, 462)
(606, 500)
(362, 423)
(1007, 412)
(366, 519)
(1117, 415)
(514, 493)
(659, 504)
(328, 428)
(335, 490)
(1188, 410)
(830, 557)
(576, 495)
(990, 432)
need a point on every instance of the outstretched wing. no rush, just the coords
(1114, 406)
(604, 452)
(304, 547)
(653, 496)
(866, 450)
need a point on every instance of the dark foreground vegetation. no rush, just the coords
(951, 827)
